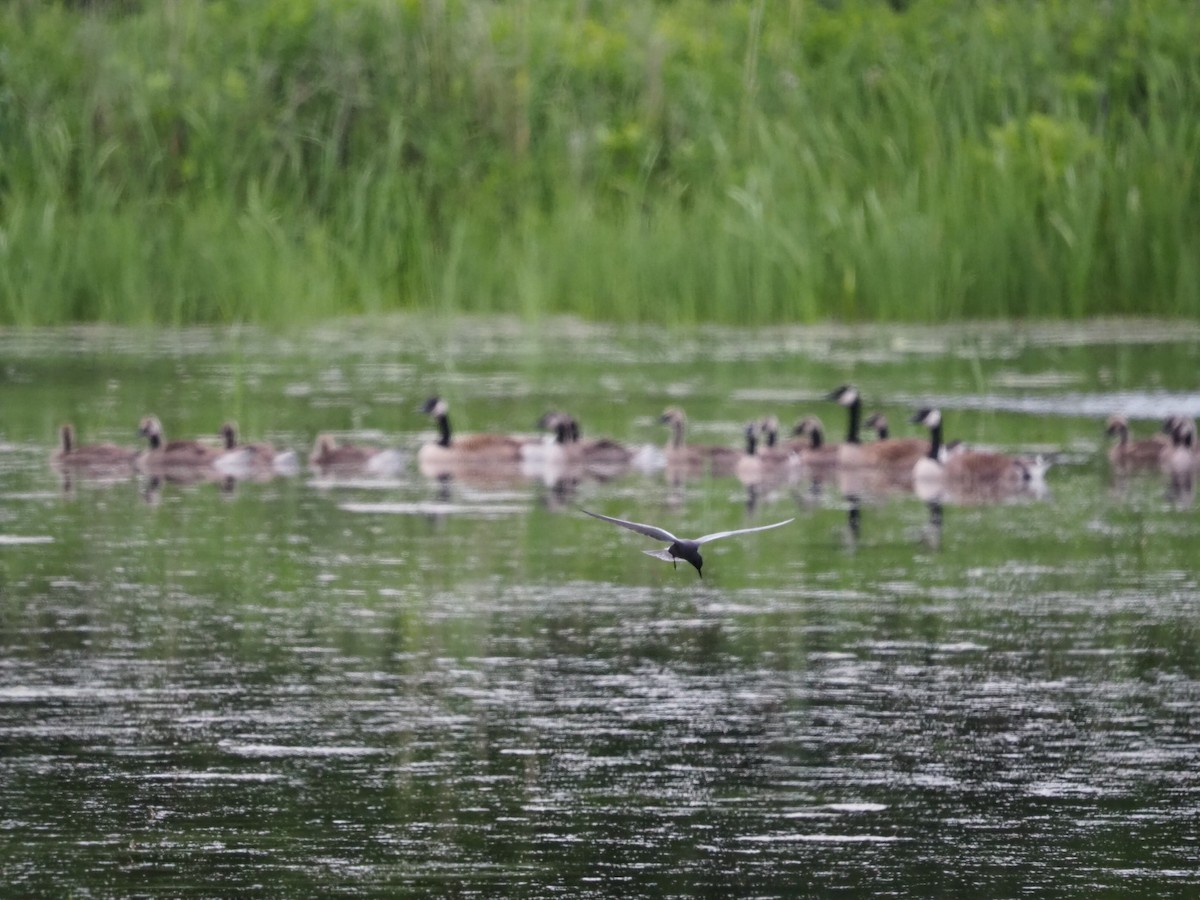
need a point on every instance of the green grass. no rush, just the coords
(744, 162)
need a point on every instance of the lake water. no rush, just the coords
(319, 686)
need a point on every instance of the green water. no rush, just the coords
(312, 686)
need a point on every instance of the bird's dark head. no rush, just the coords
(691, 555)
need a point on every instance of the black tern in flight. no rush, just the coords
(681, 548)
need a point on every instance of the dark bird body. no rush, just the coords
(681, 548)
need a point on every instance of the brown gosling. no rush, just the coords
(262, 452)
(89, 456)
(895, 453)
(1127, 454)
(330, 457)
(253, 460)
(694, 457)
(811, 447)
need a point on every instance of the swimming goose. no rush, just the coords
(569, 445)
(1180, 457)
(254, 459)
(162, 454)
(899, 453)
(811, 448)
(765, 461)
(328, 457)
(770, 449)
(90, 456)
(750, 467)
(1127, 454)
(694, 457)
(601, 451)
(470, 450)
(681, 548)
(884, 452)
(229, 439)
(969, 471)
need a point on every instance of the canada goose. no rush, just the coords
(899, 453)
(681, 548)
(470, 450)
(1127, 454)
(569, 445)
(884, 452)
(765, 461)
(969, 471)
(556, 460)
(1179, 462)
(601, 451)
(694, 457)
(162, 454)
(770, 449)
(750, 467)
(90, 456)
(558, 447)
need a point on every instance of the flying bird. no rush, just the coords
(681, 548)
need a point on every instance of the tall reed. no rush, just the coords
(752, 161)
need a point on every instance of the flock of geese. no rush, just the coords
(933, 468)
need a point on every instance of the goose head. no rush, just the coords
(323, 445)
(846, 395)
(1117, 425)
(561, 425)
(877, 421)
(927, 416)
(672, 415)
(151, 428)
(769, 428)
(811, 427)
(435, 406)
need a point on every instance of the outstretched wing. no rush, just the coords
(648, 530)
(660, 554)
(721, 534)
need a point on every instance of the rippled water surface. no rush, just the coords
(313, 685)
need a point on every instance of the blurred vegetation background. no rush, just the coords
(752, 162)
